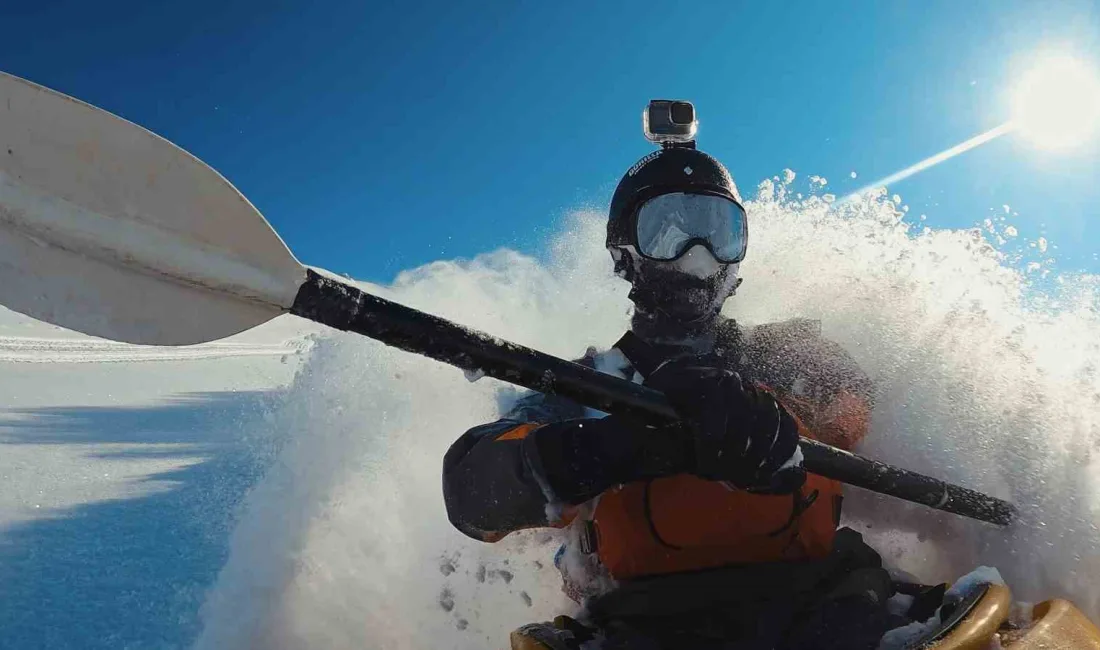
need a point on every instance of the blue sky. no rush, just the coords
(376, 137)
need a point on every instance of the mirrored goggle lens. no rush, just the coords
(669, 222)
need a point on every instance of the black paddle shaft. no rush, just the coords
(344, 307)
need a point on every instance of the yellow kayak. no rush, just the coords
(979, 621)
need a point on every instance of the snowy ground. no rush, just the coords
(119, 469)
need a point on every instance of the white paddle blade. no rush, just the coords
(110, 230)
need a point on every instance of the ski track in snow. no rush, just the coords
(48, 350)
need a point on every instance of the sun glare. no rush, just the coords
(1056, 103)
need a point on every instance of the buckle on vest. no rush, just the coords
(588, 538)
(800, 506)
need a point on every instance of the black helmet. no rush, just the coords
(671, 169)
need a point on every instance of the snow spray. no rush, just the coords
(983, 378)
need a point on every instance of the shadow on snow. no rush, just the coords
(131, 572)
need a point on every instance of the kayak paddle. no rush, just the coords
(111, 230)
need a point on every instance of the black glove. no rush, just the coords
(740, 433)
(579, 459)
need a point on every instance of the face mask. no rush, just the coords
(688, 290)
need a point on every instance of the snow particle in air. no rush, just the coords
(525, 598)
(462, 624)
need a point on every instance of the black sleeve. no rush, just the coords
(489, 486)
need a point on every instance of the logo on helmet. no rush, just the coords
(643, 162)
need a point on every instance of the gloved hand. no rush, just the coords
(579, 459)
(739, 432)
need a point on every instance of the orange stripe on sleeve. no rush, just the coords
(518, 433)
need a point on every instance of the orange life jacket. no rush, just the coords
(685, 523)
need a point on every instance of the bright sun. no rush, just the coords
(1056, 103)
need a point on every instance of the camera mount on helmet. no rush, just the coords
(670, 123)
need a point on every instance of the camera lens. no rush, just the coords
(682, 113)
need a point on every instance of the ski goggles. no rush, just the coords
(667, 225)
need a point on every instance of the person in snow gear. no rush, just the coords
(707, 533)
